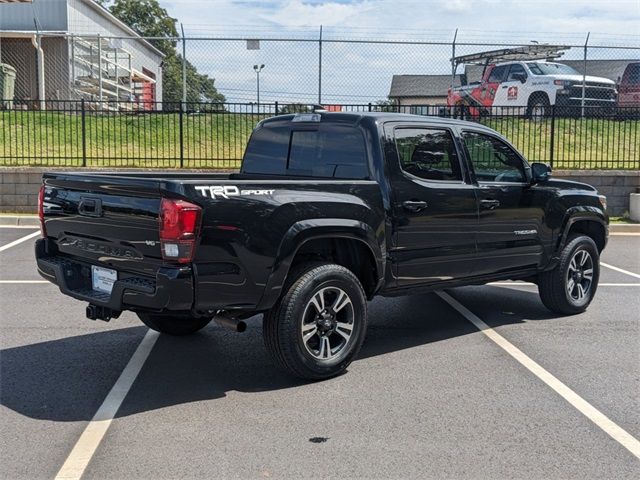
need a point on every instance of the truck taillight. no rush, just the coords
(41, 211)
(179, 229)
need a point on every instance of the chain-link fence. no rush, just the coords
(573, 103)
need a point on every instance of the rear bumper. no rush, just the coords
(171, 289)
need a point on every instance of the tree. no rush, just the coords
(388, 105)
(294, 108)
(149, 19)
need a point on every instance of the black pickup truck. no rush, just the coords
(327, 211)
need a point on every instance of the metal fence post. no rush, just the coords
(181, 117)
(84, 134)
(454, 66)
(584, 73)
(552, 134)
(320, 67)
(276, 106)
(184, 69)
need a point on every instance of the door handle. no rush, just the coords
(489, 204)
(414, 205)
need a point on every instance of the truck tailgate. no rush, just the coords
(106, 220)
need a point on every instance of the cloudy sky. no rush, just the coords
(359, 72)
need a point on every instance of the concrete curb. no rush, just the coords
(19, 220)
(33, 221)
(624, 228)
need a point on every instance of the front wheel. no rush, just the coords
(569, 288)
(319, 325)
(176, 324)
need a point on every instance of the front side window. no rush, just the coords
(492, 159)
(515, 71)
(428, 153)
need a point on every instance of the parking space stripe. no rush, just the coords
(23, 281)
(613, 430)
(620, 270)
(18, 227)
(529, 284)
(18, 241)
(84, 449)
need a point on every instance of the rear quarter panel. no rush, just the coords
(249, 237)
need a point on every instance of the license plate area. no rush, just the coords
(102, 279)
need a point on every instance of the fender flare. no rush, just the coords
(578, 214)
(312, 229)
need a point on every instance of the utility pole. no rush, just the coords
(258, 69)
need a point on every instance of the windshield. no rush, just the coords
(551, 69)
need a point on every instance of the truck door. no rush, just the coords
(511, 216)
(435, 211)
(490, 88)
(513, 91)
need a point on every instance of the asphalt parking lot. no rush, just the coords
(430, 396)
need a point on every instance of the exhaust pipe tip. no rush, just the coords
(230, 323)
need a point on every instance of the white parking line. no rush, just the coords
(18, 241)
(529, 284)
(619, 270)
(613, 430)
(30, 227)
(84, 449)
(24, 281)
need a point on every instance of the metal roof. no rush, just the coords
(421, 85)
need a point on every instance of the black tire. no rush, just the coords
(555, 287)
(539, 107)
(283, 325)
(177, 325)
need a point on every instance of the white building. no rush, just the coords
(65, 49)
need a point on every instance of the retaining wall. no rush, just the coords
(19, 186)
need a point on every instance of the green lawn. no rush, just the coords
(217, 140)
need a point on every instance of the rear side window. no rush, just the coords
(328, 151)
(498, 73)
(428, 153)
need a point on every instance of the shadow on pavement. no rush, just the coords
(67, 379)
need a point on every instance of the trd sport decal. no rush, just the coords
(226, 191)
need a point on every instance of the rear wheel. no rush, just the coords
(569, 288)
(177, 324)
(539, 107)
(319, 325)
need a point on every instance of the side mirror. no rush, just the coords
(540, 172)
(521, 77)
